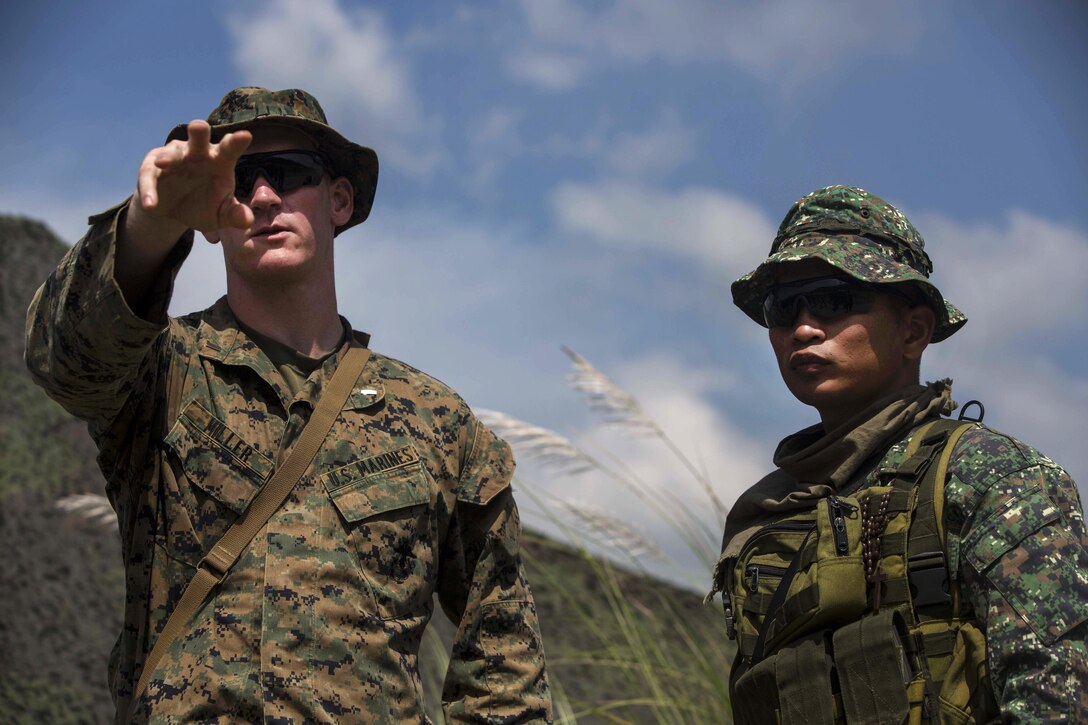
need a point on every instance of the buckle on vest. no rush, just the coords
(218, 561)
(928, 576)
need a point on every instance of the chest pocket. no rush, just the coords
(211, 475)
(384, 505)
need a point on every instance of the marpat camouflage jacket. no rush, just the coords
(322, 617)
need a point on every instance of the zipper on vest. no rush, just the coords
(771, 528)
(755, 571)
(835, 509)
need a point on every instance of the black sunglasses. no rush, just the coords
(827, 298)
(283, 170)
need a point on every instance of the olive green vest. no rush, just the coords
(844, 613)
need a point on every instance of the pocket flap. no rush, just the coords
(216, 459)
(372, 486)
(873, 669)
(1020, 517)
(488, 470)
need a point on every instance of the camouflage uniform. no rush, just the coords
(321, 619)
(1018, 552)
(1016, 542)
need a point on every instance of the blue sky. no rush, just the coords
(595, 174)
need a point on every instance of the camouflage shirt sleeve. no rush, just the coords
(496, 672)
(84, 345)
(1017, 542)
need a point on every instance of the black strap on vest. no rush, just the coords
(776, 601)
(927, 584)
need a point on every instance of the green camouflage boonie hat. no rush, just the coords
(858, 233)
(247, 107)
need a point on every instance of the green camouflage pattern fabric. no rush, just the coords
(249, 106)
(1018, 552)
(858, 233)
(322, 617)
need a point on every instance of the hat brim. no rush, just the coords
(862, 258)
(359, 164)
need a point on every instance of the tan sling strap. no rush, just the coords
(213, 568)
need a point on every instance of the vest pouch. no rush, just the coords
(754, 577)
(828, 588)
(873, 669)
(966, 695)
(791, 687)
(840, 571)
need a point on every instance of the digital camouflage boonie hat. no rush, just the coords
(858, 233)
(247, 107)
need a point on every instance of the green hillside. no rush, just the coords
(621, 647)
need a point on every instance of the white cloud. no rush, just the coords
(1020, 282)
(350, 61)
(659, 149)
(704, 224)
(782, 41)
(492, 141)
(496, 138)
(1022, 275)
(551, 71)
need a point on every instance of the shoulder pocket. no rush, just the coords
(488, 469)
(1036, 564)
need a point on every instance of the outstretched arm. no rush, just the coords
(92, 324)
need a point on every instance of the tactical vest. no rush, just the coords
(844, 613)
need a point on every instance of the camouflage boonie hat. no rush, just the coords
(247, 107)
(858, 233)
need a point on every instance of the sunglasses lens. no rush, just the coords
(827, 299)
(779, 312)
(284, 171)
(828, 305)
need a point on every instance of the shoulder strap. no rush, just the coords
(927, 559)
(214, 567)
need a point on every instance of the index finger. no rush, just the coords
(233, 145)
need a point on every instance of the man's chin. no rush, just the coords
(272, 269)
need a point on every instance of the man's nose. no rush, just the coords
(263, 194)
(806, 326)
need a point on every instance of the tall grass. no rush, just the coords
(671, 669)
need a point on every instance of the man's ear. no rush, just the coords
(212, 237)
(919, 322)
(342, 198)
